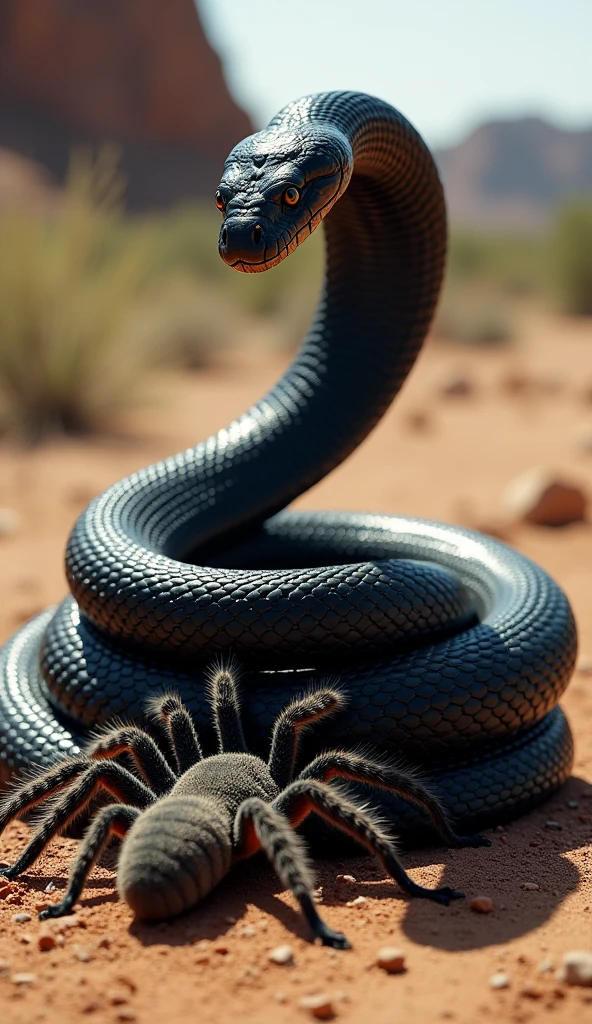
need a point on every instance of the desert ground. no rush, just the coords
(440, 457)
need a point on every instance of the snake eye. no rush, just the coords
(219, 200)
(291, 196)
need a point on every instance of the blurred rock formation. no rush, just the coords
(139, 73)
(513, 174)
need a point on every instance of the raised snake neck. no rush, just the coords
(399, 633)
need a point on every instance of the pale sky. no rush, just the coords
(446, 64)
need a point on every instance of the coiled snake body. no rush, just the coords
(453, 649)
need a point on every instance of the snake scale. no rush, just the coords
(453, 649)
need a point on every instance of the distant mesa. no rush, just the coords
(513, 174)
(141, 74)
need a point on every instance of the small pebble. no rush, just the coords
(531, 991)
(419, 421)
(481, 904)
(26, 939)
(248, 931)
(531, 887)
(349, 879)
(125, 1015)
(576, 968)
(21, 918)
(45, 941)
(573, 805)
(24, 978)
(545, 965)
(4, 968)
(50, 887)
(556, 825)
(358, 902)
(458, 385)
(116, 998)
(83, 954)
(105, 942)
(72, 922)
(499, 980)
(221, 949)
(91, 1007)
(282, 955)
(584, 665)
(391, 959)
(541, 497)
(319, 1006)
(130, 983)
(280, 997)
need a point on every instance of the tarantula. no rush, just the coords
(184, 830)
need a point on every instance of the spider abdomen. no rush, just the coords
(174, 854)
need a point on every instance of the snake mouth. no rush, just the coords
(253, 243)
(246, 247)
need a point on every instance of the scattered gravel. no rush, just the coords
(576, 968)
(499, 980)
(391, 959)
(320, 1006)
(282, 955)
(481, 904)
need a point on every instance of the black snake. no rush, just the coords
(453, 648)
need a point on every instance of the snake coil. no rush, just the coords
(453, 648)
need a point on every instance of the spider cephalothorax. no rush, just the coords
(184, 829)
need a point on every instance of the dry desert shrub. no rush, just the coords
(67, 281)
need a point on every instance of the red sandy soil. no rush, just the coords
(212, 965)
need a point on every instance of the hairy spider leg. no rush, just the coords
(115, 820)
(148, 759)
(108, 774)
(223, 679)
(404, 782)
(305, 796)
(288, 726)
(259, 826)
(169, 708)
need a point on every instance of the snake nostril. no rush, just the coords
(224, 236)
(257, 234)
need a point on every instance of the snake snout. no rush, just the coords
(242, 239)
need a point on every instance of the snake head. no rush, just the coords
(276, 188)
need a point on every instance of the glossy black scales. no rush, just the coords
(453, 648)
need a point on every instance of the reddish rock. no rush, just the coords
(142, 74)
(545, 498)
